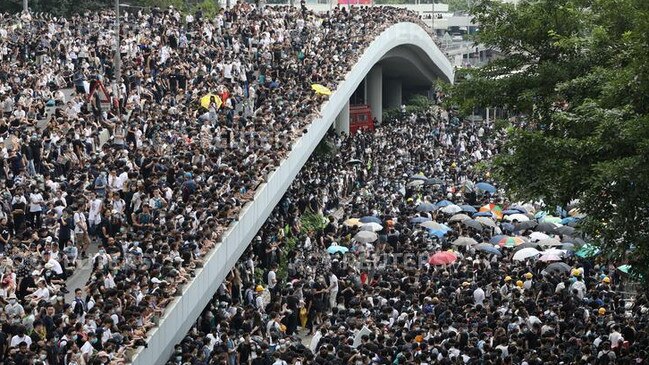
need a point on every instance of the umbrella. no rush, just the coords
(207, 99)
(517, 217)
(451, 209)
(511, 241)
(487, 222)
(443, 203)
(465, 241)
(468, 208)
(550, 219)
(354, 162)
(321, 89)
(587, 251)
(495, 239)
(439, 233)
(335, 249)
(352, 222)
(538, 236)
(484, 247)
(459, 218)
(566, 230)
(526, 253)
(434, 181)
(546, 227)
(418, 177)
(525, 225)
(547, 257)
(625, 268)
(525, 245)
(493, 208)
(425, 206)
(568, 246)
(366, 237)
(434, 226)
(472, 224)
(468, 186)
(416, 183)
(483, 214)
(486, 187)
(442, 258)
(372, 227)
(416, 220)
(370, 219)
(549, 242)
(520, 208)
(558, 267)
(511, 211)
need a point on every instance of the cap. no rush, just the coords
(508, 278)
(156, 281)
(466, 283)
(601, 311)
(259, 288)
(606, 280)
(528, 275)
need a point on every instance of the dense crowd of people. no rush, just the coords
(375, 283)
(143, 177)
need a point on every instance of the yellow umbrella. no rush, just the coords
(207, 99)
(321, 89)
(351, 222)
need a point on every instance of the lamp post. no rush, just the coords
(26, 6)
(118, 61)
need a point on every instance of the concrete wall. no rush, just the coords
(184, 310)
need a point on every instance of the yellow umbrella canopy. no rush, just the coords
(207, 99)
(321, 89)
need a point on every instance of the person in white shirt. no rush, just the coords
(36, 208)
(20, 337)
(333, 290)
(478, 296)
(94, 212)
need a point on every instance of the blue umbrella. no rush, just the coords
(425, 207)
(468, 208)
(495, 239)
(486, 187)
(569, 220)
(439, 233)
(416, 220)
(443, 203)
(335, 249)
(507, 227)
(370, 219)
(482, 214)
(488, 249)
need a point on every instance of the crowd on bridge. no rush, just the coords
(139, 179)
(420, 259)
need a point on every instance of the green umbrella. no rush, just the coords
(587, 251)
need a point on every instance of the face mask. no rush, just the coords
(43, 356)
(12, 301)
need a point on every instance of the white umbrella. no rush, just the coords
(433, 225)
(537, 236)
(465, 241)
(550, 242)
(517, 217)
(372, 227)
(451, 209)
(547, 257)
(526, 253)
(366, 237)
(554, 251)
(416, 183)
(459, 218)
(486, 221)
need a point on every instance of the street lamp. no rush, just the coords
(118, 61)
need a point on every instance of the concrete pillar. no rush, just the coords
(374, 91)
(393, 93)
(342, 120)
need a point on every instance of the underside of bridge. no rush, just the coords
(403, 71)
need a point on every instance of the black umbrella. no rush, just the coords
(558, 267)
(526, 245)
(546, 227)
(433, 181)
(521, 226)
(565, 230)
(472, 224)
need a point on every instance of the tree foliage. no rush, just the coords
(577, 71)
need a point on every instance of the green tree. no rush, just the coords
(576, 71)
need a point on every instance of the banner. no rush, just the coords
(354, 2)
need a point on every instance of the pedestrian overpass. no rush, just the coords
(403, 55)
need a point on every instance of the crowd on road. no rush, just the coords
(420, 259)
(142, 178)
